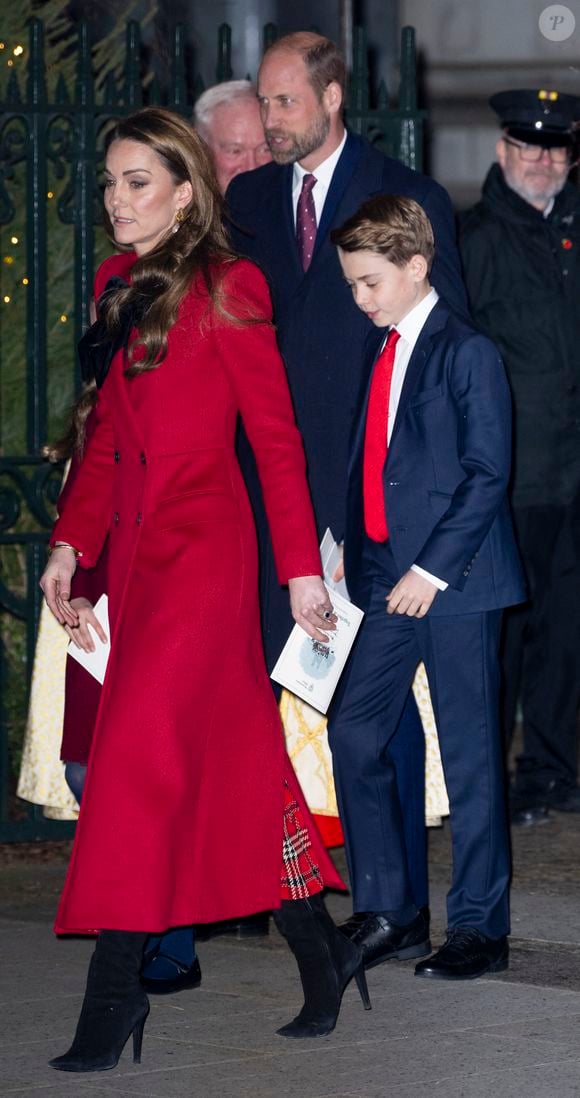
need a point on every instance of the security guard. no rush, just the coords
(520, 247)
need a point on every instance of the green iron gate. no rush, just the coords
(51, 137)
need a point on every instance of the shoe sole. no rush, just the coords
(497, 966)
(540, 821)
(408, 954)
(165, 987)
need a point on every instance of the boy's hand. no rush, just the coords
(339, 570)
(412, 595)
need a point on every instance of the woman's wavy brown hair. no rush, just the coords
(200, 247)
(73, 441)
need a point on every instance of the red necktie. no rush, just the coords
(376, 441)
(306, 222)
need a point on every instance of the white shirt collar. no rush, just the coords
(323, 175)
(324, 171)
(410, 326)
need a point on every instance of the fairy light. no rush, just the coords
(6, 299)
(25, 282)
(2, 44)
(50, 194)
(8, 259)
(10, 63)
(18, 50)
(63, 318)
(14, 240)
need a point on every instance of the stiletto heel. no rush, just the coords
(327, 962)
(361, 982)
(114, 1007)
(138, 1038)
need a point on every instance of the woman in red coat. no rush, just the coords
(190, 798)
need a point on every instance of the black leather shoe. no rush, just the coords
(252, 926)
(182, 976)
(381, 940)
(530, 815)
(466, 954)
(563, 798)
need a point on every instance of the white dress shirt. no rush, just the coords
(323, 174)
(409, 329)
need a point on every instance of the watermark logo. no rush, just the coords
(557, 23)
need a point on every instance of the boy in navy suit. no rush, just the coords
(430, 556)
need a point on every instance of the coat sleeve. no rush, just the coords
(85, 517)
(257, 375)
(446, 274)
(480, 390)
(479, 247)
(85, 503)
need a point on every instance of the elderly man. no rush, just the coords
(228, 118)
(282, 215)
(521, 252)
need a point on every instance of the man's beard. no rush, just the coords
(301, 145)
(534, 192)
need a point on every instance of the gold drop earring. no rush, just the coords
(179, 217)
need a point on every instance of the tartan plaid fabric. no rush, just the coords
(301, 877)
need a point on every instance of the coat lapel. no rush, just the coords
(286, 218)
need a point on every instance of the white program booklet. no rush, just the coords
(331, 557)
(95, 662)
(307, 667)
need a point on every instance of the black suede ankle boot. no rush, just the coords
(114, 1007)
(327, 961)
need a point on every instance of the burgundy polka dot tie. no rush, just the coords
(306, 222)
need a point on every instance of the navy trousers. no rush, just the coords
(461, 658)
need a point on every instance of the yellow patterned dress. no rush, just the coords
(41, 778)
(307, 745)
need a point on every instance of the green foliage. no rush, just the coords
(108, 55)
(61, 37)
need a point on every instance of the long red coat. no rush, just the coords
(82, 692)
(181, 820)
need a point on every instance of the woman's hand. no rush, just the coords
(311, 606)
(55, 583)
(80, 634)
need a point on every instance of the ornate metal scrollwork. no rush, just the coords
(24, 497)
(13, 150)
(28, 493)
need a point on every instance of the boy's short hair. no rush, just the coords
(390, 224)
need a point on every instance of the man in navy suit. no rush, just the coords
(430, 555)
(321, 334)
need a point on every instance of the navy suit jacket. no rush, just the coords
(321, 332)
(446, 473)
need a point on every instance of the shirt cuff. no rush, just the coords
(427, 575)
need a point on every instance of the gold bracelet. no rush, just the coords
(64, 545)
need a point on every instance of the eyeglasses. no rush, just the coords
(534, 153)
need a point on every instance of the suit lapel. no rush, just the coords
(344, 180)
(375, 342)
(342, 176)
(435, 322)
(286, 218)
